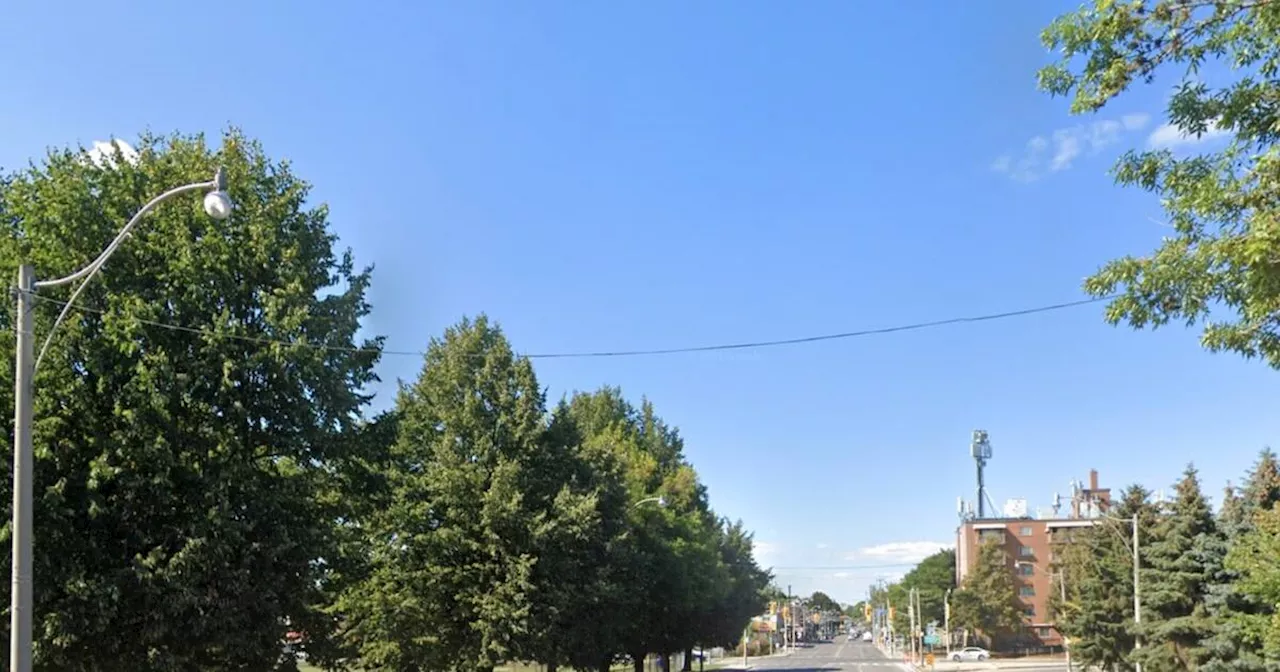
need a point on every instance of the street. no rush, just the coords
(838, 656)
(846, 656)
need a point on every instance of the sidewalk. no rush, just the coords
(1011, 665)
(735, 662)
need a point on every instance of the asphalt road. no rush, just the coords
(837, 656)
(845, 656)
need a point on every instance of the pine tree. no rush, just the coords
(1098, 568)
(1256, 560)
(1183, 558)
(1234, 645)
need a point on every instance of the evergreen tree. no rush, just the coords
(1097, 564)
(1235, 645)
(1183, 558)
(1256, 560)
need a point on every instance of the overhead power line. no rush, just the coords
(796, 568)
(745, 345)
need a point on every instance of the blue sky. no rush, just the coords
(643, 175)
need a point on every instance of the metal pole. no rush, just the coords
(1137, 600)
(946, 620)
(791, 621)
(1062, 589)
(911, 621)
(21, 598)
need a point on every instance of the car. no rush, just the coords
(866, 636)
(970, 653)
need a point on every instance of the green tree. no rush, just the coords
(669, 567)
(1221, 253)
(1236, 644)
(1181, 561)
(989, 595)
(932, 578)
(820, 601)
(1097, 564)
(177, 468)
(1256, 560)
(453, 554)
(742, 596)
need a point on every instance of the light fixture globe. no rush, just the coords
(217, 204)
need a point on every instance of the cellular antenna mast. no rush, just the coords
(980, 448)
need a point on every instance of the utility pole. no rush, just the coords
(946, 620)
(911, 618)
(791, 619)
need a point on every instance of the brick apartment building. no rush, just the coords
(1029, 543)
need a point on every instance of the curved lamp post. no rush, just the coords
(217, 204)
(660, 501)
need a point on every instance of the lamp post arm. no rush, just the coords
(96, 265)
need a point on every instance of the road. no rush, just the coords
(846, 656)
(838, 656)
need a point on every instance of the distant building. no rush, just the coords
(1029, 544)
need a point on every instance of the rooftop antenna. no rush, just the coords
(1057, 504)
(980, 448)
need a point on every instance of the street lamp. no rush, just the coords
(1137, 596)
(217, 204)
(660, 501)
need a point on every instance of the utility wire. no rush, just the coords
(915, 326)
(795, 568)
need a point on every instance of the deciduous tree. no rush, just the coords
(1218, 265)
(453, 555)
(180, 440)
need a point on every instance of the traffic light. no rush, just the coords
(891, 614)
(866, 612)
(773, 607)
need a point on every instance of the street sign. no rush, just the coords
(932, 640)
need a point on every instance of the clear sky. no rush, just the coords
(655, 174)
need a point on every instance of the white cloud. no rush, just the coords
(1135, 122)
(905, 552)
(762, 550)
(103, 155)
(1168, 136)
(842, 575)
(1061, 148)
(821, 546)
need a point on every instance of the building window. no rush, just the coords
(1027, 591)
(1026, 569)
(1024, 531)
(1026, 551)
(1044, 633)
(1029, 611)
(991, 535)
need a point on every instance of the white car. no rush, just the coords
(970, 653)
(866, 636)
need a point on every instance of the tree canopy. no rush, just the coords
(210, 478)
(1218, 266)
